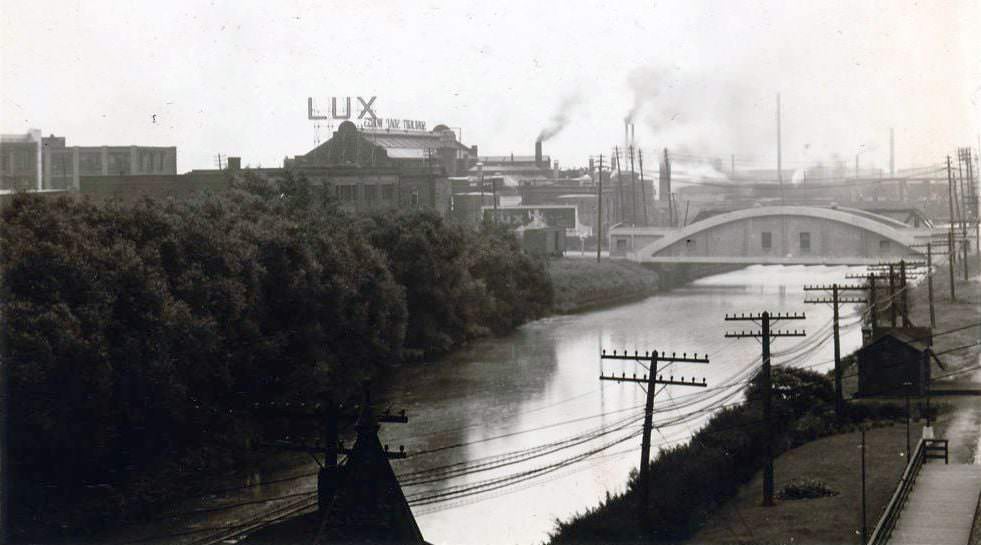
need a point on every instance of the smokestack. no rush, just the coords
(633, 134)
(538, 153)
(626, 133)
(592, 169)
(664, 179)
(892, 154)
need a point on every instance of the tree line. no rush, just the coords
(134, 336)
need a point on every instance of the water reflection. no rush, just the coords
(510, 434)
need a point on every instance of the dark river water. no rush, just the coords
(512, 433)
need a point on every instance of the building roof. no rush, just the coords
(913, 337)
(368, 507)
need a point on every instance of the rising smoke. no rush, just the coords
(561, 117)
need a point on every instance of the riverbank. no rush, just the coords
(833, 461)
(581, 283)
(954, 337)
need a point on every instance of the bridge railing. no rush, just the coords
(925, 449)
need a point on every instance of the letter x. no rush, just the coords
(366, 108)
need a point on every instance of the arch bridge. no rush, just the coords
(788, 235)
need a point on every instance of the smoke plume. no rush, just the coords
(561, 117)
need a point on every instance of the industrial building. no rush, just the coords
(33, 162)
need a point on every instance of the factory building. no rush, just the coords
(373, 169)
(34, 162)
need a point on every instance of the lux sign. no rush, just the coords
(346, 113)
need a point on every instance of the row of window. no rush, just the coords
(371, 192)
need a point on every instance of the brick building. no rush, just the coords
(34, 162)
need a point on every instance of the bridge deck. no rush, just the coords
(941, 508)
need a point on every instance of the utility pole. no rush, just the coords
(898, 287)
(649, 381)
(328, 413)
(892, 295)
(933, 315)
(950, 191)
(643, 184)
(764, 318)
(616, 153)
(865, 526)
(779, 154)
(633, 187)
(599, 210)
(952, 252)
(835, 302)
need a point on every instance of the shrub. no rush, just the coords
(805, 489)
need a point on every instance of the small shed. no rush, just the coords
(895, 362)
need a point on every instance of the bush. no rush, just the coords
(805, 489)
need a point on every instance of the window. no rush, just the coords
(805, 242)
(766, 240)
(689, 244)
(621, 244)
(370, 193)
(345, 193)
(415, 200)
(388, 192)
(884, 245)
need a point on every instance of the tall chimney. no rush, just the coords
(633, 135)
(664, 179)
(538, 153)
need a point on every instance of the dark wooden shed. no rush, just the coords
(892, 359)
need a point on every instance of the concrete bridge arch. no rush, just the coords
(784, 235)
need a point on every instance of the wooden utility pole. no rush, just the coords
(643, 184)
(835, 303)
(599, 210)
(865, 526)
(764, 318)
(328, 413)
(951, 252)
(933, 315)
(650, 381)
(892, 295)
(616, 153)
(633, 188)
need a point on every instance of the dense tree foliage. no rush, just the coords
(459, 284)
(136, 335)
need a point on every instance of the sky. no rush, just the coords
(700, 76)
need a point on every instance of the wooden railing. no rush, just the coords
(926, 449)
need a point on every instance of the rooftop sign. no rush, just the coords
(367, 116)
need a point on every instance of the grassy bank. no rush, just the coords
(835, 462)
(581, 283)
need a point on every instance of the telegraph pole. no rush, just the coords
(616, 152)
(933, 315)
(599, 210)
(328, 413)
(650, 381)
(835, 302)
(643, 184)
(779, 154)
(764, 318)
(633, 187)
(951, 252)
(865, 527)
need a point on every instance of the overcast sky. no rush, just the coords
(233, 77)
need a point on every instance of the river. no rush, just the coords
(512, 433)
